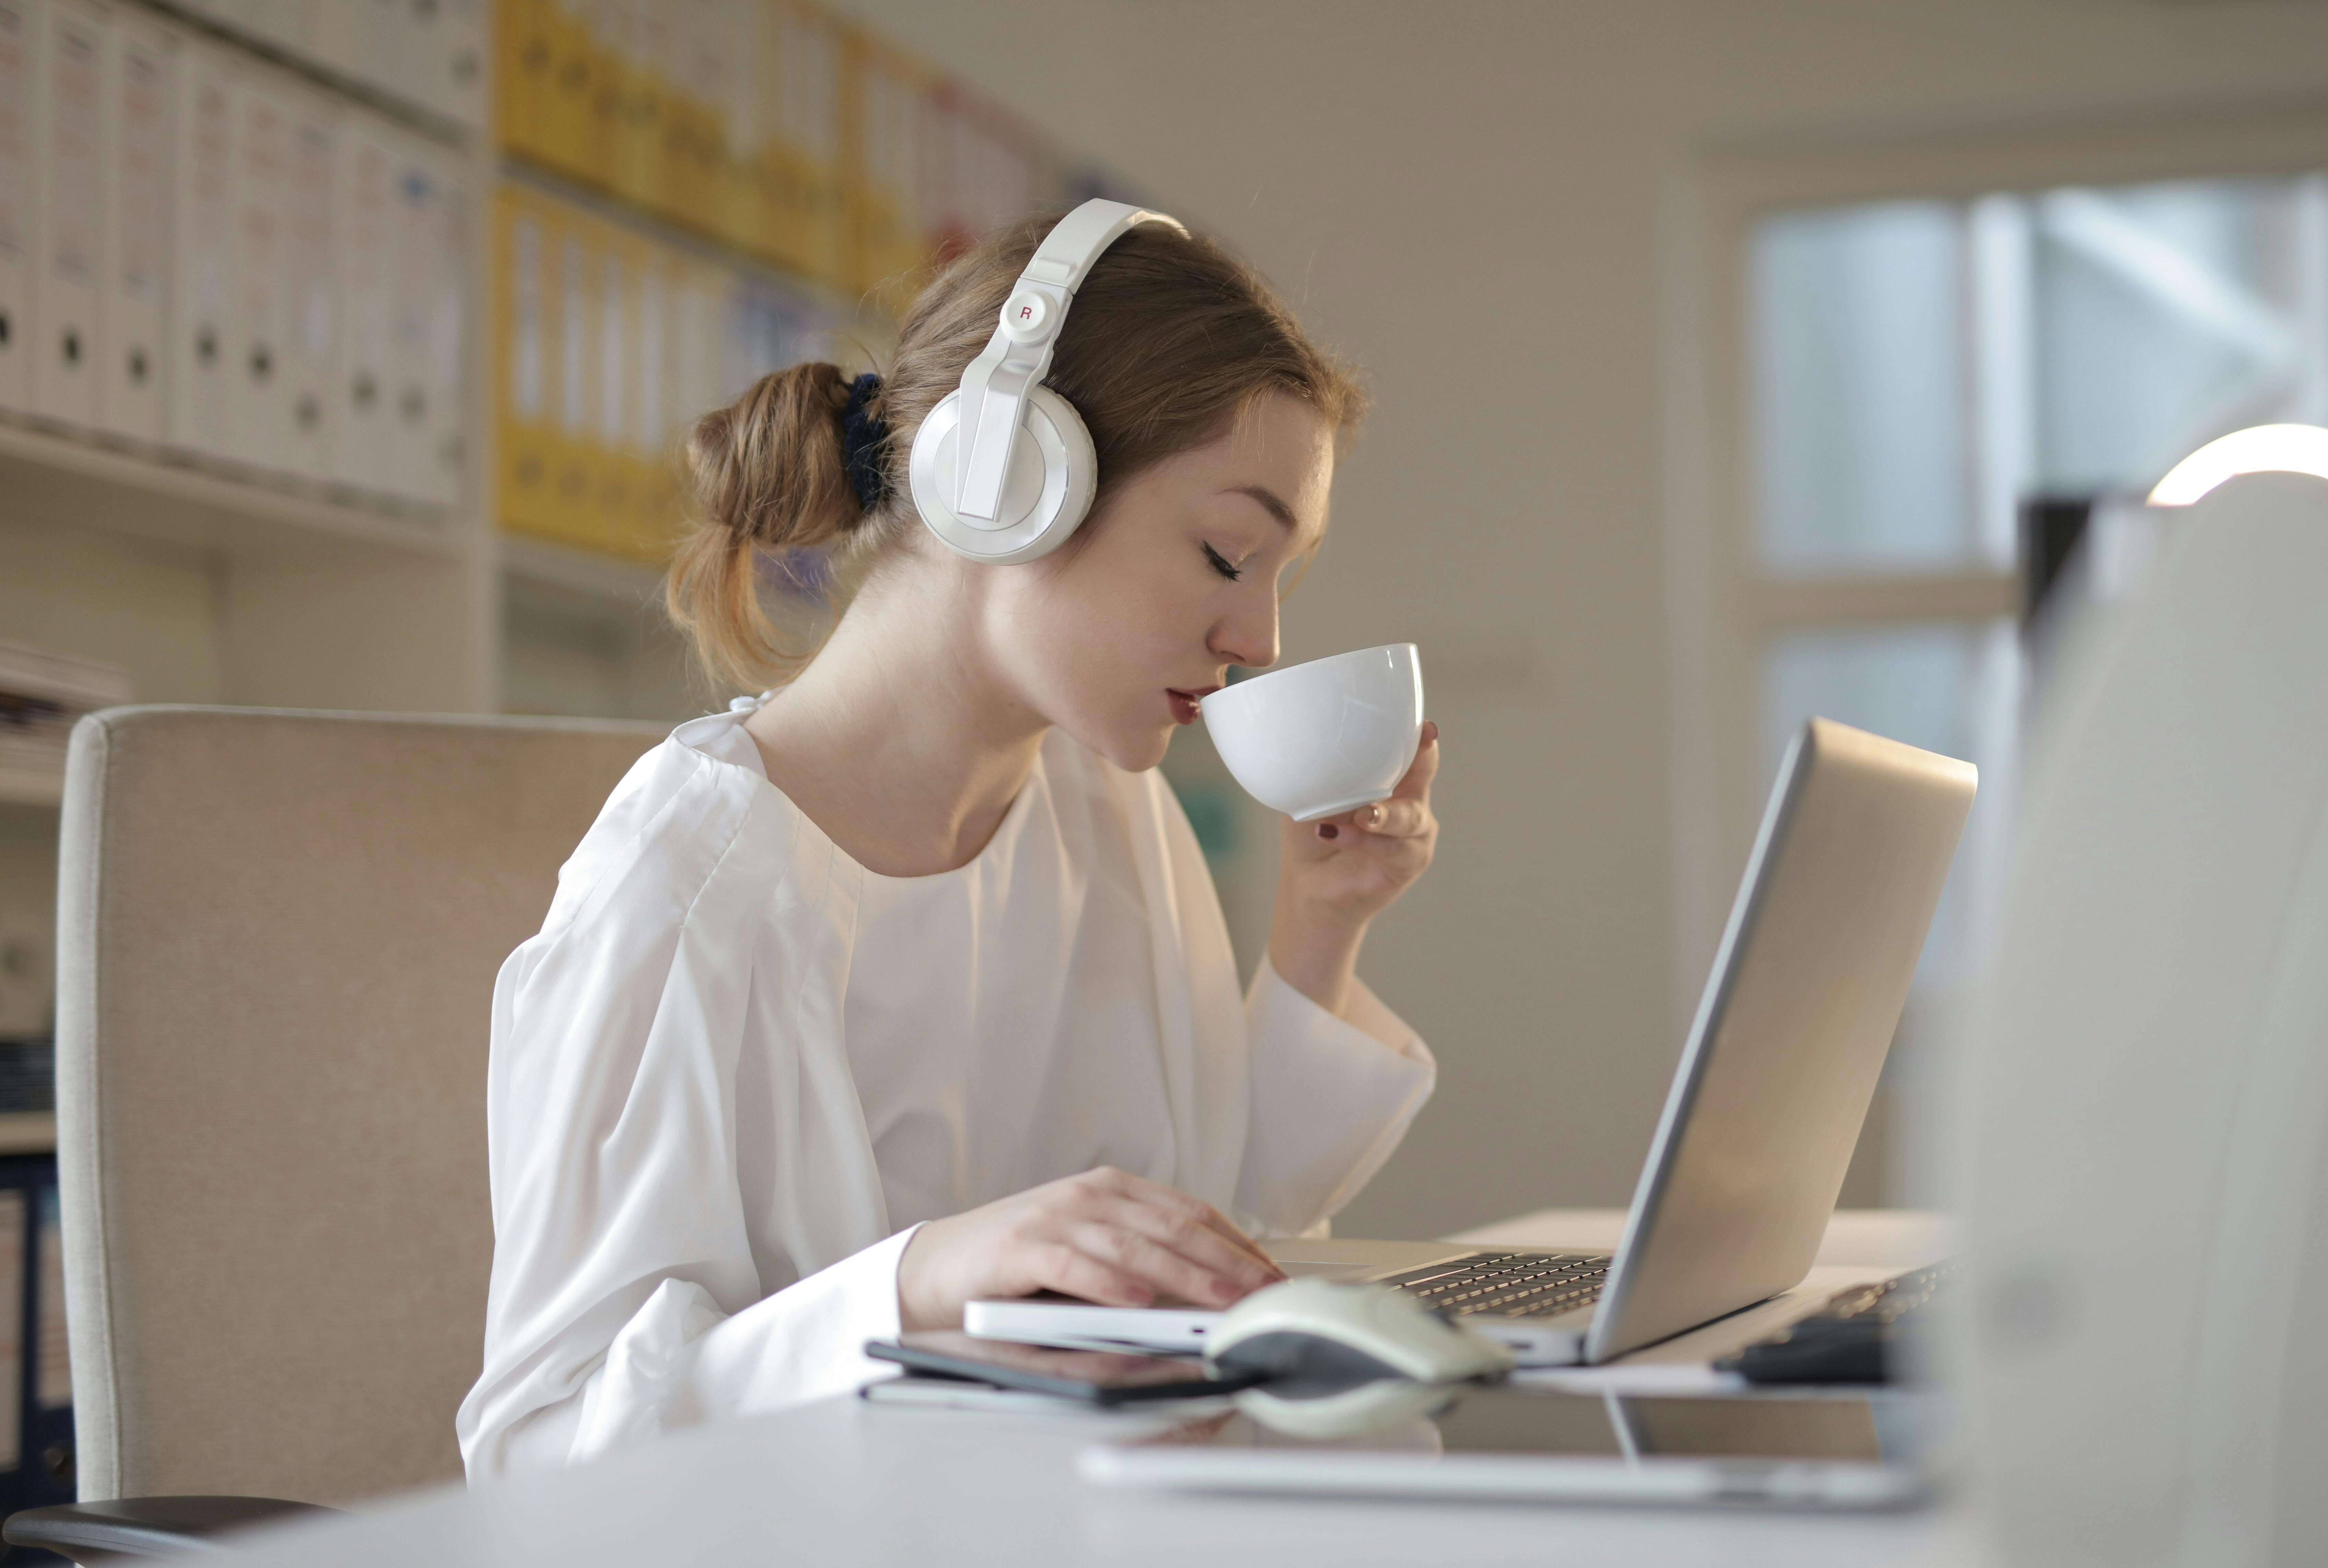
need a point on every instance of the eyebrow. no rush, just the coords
(1270, 503)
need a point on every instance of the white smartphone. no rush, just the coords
(1853, 1451)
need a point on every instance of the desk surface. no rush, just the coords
(842, 1481)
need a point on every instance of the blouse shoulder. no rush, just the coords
(666, 827)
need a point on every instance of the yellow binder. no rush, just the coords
(698, 59)
(525, 61)
(571, 137)
(523, 362)
(574, 469)
(651, 527)
(654, 523)
(615, 262)
(742, 214)
(635, 163)
(805, 155)
(896, 156)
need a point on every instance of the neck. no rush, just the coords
(895, 740)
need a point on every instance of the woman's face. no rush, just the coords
(1114, 637)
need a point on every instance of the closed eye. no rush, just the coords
(1221, 565)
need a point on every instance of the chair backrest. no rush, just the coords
(277, 937)
(2147, 1214)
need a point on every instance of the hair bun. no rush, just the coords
(769, 472)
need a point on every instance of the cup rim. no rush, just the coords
(1251, 681)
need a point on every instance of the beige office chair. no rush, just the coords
(277, 939)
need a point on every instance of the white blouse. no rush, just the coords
(735, 1069)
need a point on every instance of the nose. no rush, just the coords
(1248, 636)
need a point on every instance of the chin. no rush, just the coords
(1132, 750)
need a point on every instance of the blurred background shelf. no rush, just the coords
(579, 571)
(78, 479)
(584, 635)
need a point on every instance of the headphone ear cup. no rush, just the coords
(1082, 460)
(1054, 472)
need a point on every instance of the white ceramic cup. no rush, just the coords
(1327, 737)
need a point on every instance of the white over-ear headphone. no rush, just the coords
(1031, 468)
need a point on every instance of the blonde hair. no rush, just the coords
(1169, 341)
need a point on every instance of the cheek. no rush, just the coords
(1094, 663)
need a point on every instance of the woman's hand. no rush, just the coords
(1336, 875)
(1104, 1236)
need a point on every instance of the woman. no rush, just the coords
(906, 984)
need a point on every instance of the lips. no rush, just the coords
(1184, 702)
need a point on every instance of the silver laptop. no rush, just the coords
(1765, 1107)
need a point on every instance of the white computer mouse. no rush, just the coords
(1327, 1332)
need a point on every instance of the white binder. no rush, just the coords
(429, 53)
(134, 241)
(463, 58)
(363, 426)
(432, 54)
(197, 364)
(67, 67)
(257, 402)
(16, 197)
(446, 335)
(311, 336)
(430, 218)
(411, 259)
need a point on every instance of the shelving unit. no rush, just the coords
(217, 585)
(153, 495)
(210, 581)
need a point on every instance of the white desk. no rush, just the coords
(847, 1483)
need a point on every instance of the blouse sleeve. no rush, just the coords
(1327, 1098)
(626, 1296)
(1331, 1098)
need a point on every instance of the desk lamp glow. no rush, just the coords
(2259, 449)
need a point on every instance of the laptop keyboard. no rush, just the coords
(1506, 1284)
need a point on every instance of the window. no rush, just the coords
(1919, 370)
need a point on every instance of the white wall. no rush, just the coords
(1467, 199)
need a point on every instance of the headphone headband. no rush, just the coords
(996, 385)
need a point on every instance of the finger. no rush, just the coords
(1198, 1243)
(1169, 1272)
(1416, 784)
(1394, 819)
(1173, 1199)
(1340, 828)
(1073, 1271)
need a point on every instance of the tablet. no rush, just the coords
(1093, 1377)
(1841, 1450)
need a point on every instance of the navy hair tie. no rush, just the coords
(864, 442)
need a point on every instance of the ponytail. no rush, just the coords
(768, 472)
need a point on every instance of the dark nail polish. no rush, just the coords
(1328, 830)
